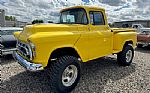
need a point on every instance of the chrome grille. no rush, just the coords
(24, 49)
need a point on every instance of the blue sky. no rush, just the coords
(117, 10)
(87, 1)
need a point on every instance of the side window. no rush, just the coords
(97, 18)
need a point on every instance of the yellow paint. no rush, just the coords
(89, 41)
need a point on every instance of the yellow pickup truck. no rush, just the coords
(82, 34)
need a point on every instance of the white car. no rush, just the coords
(140, 28)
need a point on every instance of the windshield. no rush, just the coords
(7, 32)
(73, 16)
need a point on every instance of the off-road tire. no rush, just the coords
(55, 72)
(121, 56)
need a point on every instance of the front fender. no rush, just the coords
(46, 43)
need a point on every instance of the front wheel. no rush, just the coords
(125, 57)
(64, 74)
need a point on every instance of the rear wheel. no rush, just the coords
(64, 74)
(125, 57)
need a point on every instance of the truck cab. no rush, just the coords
(82, 34)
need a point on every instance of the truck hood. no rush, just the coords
(53, 28)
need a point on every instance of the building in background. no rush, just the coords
(15, 23)
(2, 17)
(20, 23)
(145, 23)
(9, 23)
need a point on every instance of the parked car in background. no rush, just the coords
(7, 40)
(143, 36)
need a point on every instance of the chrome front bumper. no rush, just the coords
(7, 51)
(144, 43)
(27, 65)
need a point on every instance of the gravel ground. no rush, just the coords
(99, 76)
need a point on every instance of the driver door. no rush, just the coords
(100, 37)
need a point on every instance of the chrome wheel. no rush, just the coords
(129, 55)
(69, 75)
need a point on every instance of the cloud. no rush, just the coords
(117, 10)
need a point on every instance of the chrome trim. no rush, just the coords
(30, 52)
(7, 51)
(26, 64)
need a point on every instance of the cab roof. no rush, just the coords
(85, 7)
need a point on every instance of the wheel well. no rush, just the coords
(64, 51)
(128, 42)
(61, 52)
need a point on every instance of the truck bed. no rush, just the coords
(122, 35)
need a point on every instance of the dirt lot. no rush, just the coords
(100, 76)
